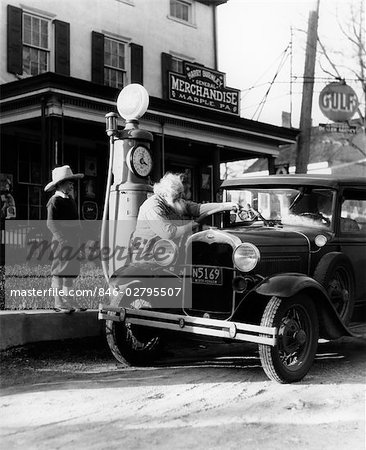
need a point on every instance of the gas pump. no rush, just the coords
(130, 164)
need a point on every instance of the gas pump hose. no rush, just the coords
(106, 210)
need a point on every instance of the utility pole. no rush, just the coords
(303, 141)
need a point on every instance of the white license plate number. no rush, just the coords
(207, 275)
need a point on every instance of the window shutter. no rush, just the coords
(166, 65)
(97, 57)
(15, 41)
(137, 64)
(62, 47)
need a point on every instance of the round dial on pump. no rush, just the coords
(140, 161)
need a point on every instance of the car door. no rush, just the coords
(352, 235)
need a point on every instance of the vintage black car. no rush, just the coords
(283, 272)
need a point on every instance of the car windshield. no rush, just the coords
(304, 205)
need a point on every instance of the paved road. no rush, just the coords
(74, 399)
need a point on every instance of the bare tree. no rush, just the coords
(331, 60)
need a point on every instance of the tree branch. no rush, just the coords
(327, 71)
(324, 52)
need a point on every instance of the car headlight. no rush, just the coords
(246, 257)
(165, 252)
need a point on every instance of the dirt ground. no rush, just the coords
(74, 395)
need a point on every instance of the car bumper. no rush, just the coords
(187, 324)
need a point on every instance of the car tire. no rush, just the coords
(334, 272)
(131, 344)
(297, 326)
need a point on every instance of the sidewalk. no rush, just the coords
(24, 327)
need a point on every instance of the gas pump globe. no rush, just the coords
(130, 165)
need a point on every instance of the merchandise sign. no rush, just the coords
(203, 87)
(338, 102)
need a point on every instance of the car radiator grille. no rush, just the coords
(212, 298)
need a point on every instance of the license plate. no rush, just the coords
(207, 275)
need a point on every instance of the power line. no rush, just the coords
(263, 101)
(328, 78)
(269, 67)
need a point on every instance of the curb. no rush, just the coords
(25, 327)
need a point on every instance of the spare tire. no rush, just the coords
(334, 272)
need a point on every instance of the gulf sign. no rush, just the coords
(338, 102)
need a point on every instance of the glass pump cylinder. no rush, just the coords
(111, 123)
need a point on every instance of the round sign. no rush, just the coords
(133, 101)
(338, 102)
(89, 211)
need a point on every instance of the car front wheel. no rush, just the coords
(297, 326)
(132, 344)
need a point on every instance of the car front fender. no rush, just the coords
(287, 285)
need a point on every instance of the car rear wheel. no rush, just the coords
(132, 344)
(297, 326)
(334, 272)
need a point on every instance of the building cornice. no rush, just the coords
(100, 99)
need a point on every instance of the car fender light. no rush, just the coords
(246, 256)
(165, 252)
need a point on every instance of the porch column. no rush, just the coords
(157, 153)
(271, 165)
(216, 172)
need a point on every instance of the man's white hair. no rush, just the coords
(170, 183)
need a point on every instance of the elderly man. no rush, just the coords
(167, 214)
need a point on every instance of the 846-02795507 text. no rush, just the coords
(100, 291)
(152, 292)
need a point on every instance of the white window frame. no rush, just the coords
(34, 46)
(110, 67)
(191, 12)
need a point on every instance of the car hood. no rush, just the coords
(282, 248)
(279, 236)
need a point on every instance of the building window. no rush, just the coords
(114, 63)
(176, 65)
(34, 202)
(29, 189)
(181, 10)
(35, 45)
(29, 164)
